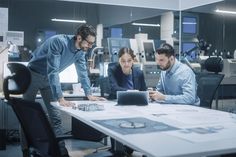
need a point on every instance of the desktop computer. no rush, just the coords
(151, 73)
(229, 68)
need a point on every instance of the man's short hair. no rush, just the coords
(85, 30)
(166, 49)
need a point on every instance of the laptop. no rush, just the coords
(139, 98)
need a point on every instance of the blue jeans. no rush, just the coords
(40, 83)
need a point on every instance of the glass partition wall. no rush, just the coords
(204, 30)
(210, 31)
(202, 26)
(36, 19)
(211, 28)
(142, 29)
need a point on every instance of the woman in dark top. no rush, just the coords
(123, 75)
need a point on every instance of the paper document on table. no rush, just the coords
(154, 108)
(205, 133)
(195, 119)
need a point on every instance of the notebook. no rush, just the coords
(139, 98)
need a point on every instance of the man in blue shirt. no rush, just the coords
(52, 57)
(177, 84)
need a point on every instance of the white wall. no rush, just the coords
(4, 53)
(3, 25)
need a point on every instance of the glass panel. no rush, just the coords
(36, 21)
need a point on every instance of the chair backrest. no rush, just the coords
(34, 122)
(214, 64)
(18, 81)
(105, 84)
(208, 84)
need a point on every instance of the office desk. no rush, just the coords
(199, 131)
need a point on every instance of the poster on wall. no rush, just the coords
(3, 25)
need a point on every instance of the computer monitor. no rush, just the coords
(69, 75)
(152, 73)
(116, 32)
(114, 45)
(147, 50)
(190, 25)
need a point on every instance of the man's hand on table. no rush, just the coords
(65, 103)
(96, 98)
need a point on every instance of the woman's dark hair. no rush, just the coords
(85, 30)
(126, 50)
(166, 49)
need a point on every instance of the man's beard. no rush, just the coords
(83, 48)
(167, 66)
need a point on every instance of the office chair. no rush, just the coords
(208, 83)
(39, 134)
(105, 86)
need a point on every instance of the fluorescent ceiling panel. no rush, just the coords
(68, 20)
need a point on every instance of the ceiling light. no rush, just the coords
(189, 23)
(225, 11)
(146, 24)
(67, 20)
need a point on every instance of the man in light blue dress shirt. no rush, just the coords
(49, 59)
(177, 84)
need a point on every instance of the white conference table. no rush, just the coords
(200, 132)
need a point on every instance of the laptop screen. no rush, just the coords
(138, 98)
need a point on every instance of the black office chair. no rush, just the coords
(209, 82)
(105, 86)
(38, 132)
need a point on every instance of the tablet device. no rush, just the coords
(139, 98)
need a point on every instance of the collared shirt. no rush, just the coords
(179, 85)
(56, 54)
